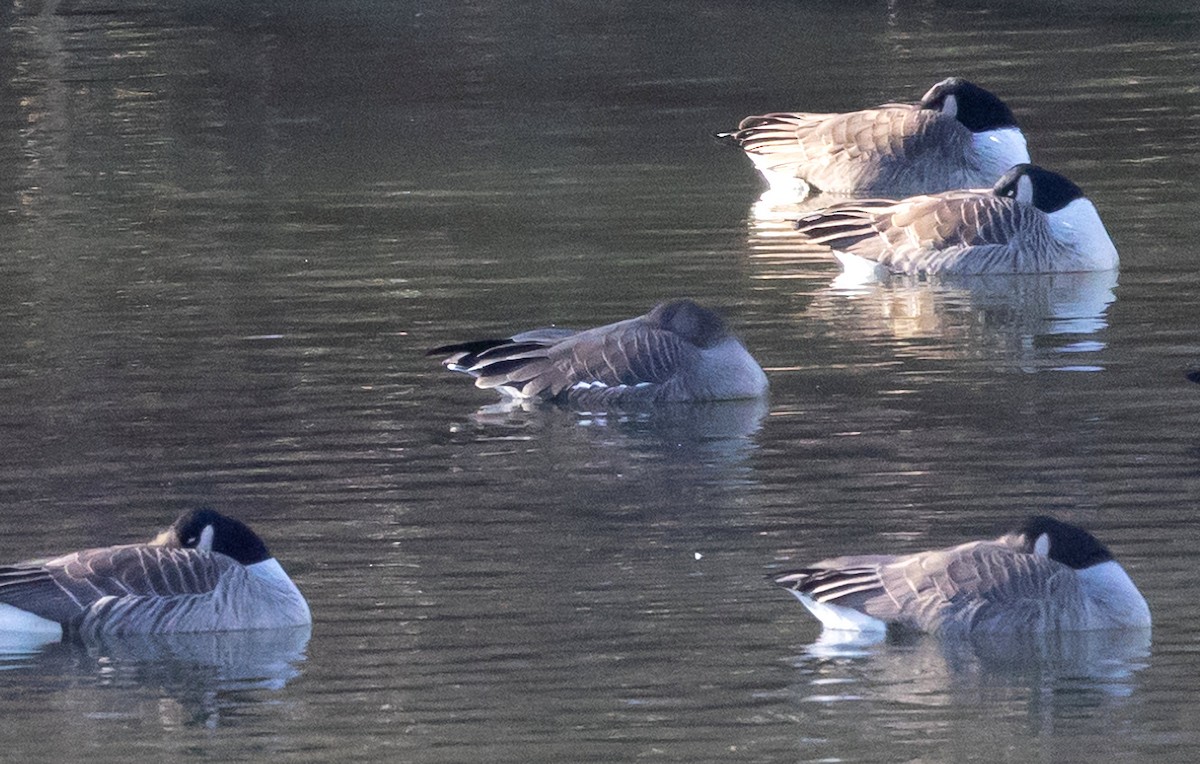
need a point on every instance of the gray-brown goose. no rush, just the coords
(1032, 221)
(958, 135)
(207, 572)
(679, 351)
(1046, 576)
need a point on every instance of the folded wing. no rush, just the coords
(551, 363)
(65, 588)
(978, 587)
(930, 233)
(856, 152)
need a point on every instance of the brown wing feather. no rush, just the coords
(984, 586)
(930, 232)
(629, 353)
(891, 148)
(63, 588)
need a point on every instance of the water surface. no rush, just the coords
(231, 230)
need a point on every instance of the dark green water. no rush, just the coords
(230, 230)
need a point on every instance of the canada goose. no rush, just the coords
(1031, 221)
(958, 136)
(207, 572)
(1046, 576)
(678, 351)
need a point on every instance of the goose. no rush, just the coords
(1047, 576)
(957, 136)
(206, 572)
(679, 351)
(1032, 221)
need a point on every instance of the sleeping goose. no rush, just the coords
(958, 136)
(1031, 221)
(678, 351)
(207, 572)
(1046, 576)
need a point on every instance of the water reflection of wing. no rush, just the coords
(696, 424)
(1013, 310)
(1108, 658)
(922, 668)
(772, 222)
(1042, 320)
(258, 659)
(169, 680)
(716, 429)
(712, 420)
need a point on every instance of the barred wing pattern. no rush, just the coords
(628, 359)
(85, 586)
(984, 586)
(968, 231)
(895, 149)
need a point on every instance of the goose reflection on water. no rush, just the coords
(253, 659)
(724, 430)
(1039, 321)
(772, 227)
(923, 669)
(194, 673)
(712, 420)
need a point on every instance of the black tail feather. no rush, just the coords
(474, 347)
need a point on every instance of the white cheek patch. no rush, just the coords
(206, 539)
(1042, 545)
(950, 106)
(1025, 190)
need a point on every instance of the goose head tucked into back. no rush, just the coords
(958, 135)
(206, 572)
(677, 352)
(1031, 221)
(1045, 576)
